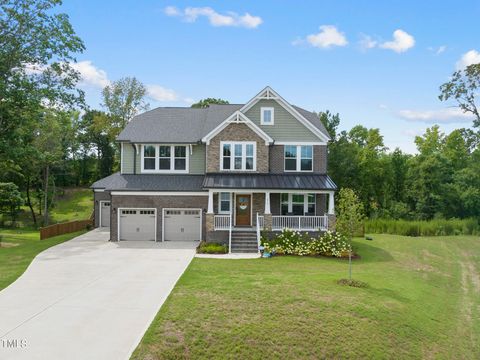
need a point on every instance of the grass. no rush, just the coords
(19, 247)
(72, 204)
(422, 301)
(436, 227)
(75, 204)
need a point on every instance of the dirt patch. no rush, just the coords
(8, 245)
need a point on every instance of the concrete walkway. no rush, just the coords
(89, 298)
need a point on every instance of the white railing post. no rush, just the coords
(258, 232)
(230, 233)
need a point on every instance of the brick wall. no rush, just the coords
(158, 202)
(236, 132)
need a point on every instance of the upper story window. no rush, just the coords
(237, 156)
(266, 116)
(164, 158)
(298, 157)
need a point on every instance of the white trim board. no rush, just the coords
(272, 191)
(269, 94)
(237, 118)
(159, 193)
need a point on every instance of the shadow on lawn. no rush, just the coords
(371, 253)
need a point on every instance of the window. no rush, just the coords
(149, 157)
(227, 156)
(298, 157)
(224, 202)
(180, 158)
(297, 204)
(164, 158)
(290, 158)
(266, 116)
(237, 156)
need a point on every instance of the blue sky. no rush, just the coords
(377, 63)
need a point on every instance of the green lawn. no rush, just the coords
(19, 247)
(72, 204)
(75, 204)
(423, 301)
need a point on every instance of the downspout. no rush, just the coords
(134, 159)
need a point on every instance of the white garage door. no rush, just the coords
(105, 213)
(137, 224)
(182, 224)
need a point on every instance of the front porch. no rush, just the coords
(254, 210)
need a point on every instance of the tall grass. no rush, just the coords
(437, 227)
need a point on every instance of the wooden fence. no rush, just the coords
(64, 228)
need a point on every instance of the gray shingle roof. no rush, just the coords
(269, 181)
(150, 182)
(187, 125)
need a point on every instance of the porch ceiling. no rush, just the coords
(309, 181)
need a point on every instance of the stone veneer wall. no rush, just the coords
(236, 132)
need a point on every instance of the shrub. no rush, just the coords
(211, 248)
(290, 242)
(436, 227)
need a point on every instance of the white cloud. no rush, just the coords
(447, 115)
(383, 107)
(159, 93)
(172, 11)
(90, 74)
(191, 14)
(327, 37)
(367, 42)
(469, 58)
(402, 41)
(441, 49)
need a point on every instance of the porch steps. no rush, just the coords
(244, 242)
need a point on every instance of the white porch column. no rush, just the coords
(331, 203)
(267, 203)
(210, 202)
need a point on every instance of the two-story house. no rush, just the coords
(219, 174)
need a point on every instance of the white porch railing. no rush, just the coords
(221, 222)
(260, 221)
(305, 223)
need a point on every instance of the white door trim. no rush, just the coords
(163, 220)
(119, 210)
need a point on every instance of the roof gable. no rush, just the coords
(269, 94)
(237, 118)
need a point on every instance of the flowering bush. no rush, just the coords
(290, 242)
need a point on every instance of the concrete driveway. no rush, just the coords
(88, 298)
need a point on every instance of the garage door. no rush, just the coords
(105, 213)
(182, 224)
(137, 224)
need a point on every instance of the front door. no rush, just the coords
(243, 210)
